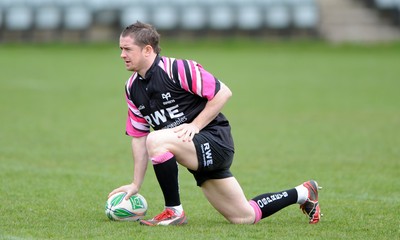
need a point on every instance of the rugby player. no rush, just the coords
(182, 103)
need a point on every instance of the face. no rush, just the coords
(133, 55)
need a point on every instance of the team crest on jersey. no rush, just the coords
(166, 96)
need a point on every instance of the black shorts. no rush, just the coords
(214, 160)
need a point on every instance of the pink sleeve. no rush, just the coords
(136, 125)
(210, 85)
(195, 79)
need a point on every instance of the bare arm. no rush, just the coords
(140, 157)
(211, 110)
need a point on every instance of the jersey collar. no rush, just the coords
(151, 70)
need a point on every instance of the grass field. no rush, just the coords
(299, 110)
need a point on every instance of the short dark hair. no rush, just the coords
(143, 34)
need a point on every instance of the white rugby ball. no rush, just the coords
(119, 209)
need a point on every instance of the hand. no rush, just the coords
(130, 189)
(186, 131)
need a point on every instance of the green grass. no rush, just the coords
(299, 110)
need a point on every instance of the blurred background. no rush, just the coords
(102, 20)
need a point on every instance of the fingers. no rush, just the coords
(189, 136)
(130, 189)
(186, 132)
(186, 135)
(178, 128)
(130, 194)
(117, 190)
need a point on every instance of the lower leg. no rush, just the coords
(166, 170)
(267, 204)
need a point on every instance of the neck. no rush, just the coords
(149, 62)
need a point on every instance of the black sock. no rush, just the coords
(167, 176)
(270, 203)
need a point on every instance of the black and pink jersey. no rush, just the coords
(174, 91)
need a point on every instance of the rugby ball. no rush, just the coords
(119, 209)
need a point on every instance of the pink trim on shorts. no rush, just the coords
(257, 210)
(161, 158)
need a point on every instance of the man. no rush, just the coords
(182, 102)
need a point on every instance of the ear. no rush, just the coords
(148, 50)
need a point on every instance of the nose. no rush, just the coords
(122, 54)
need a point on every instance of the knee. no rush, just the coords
(156, 142)
(247, 217)
(242, 220)
(152, 141)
